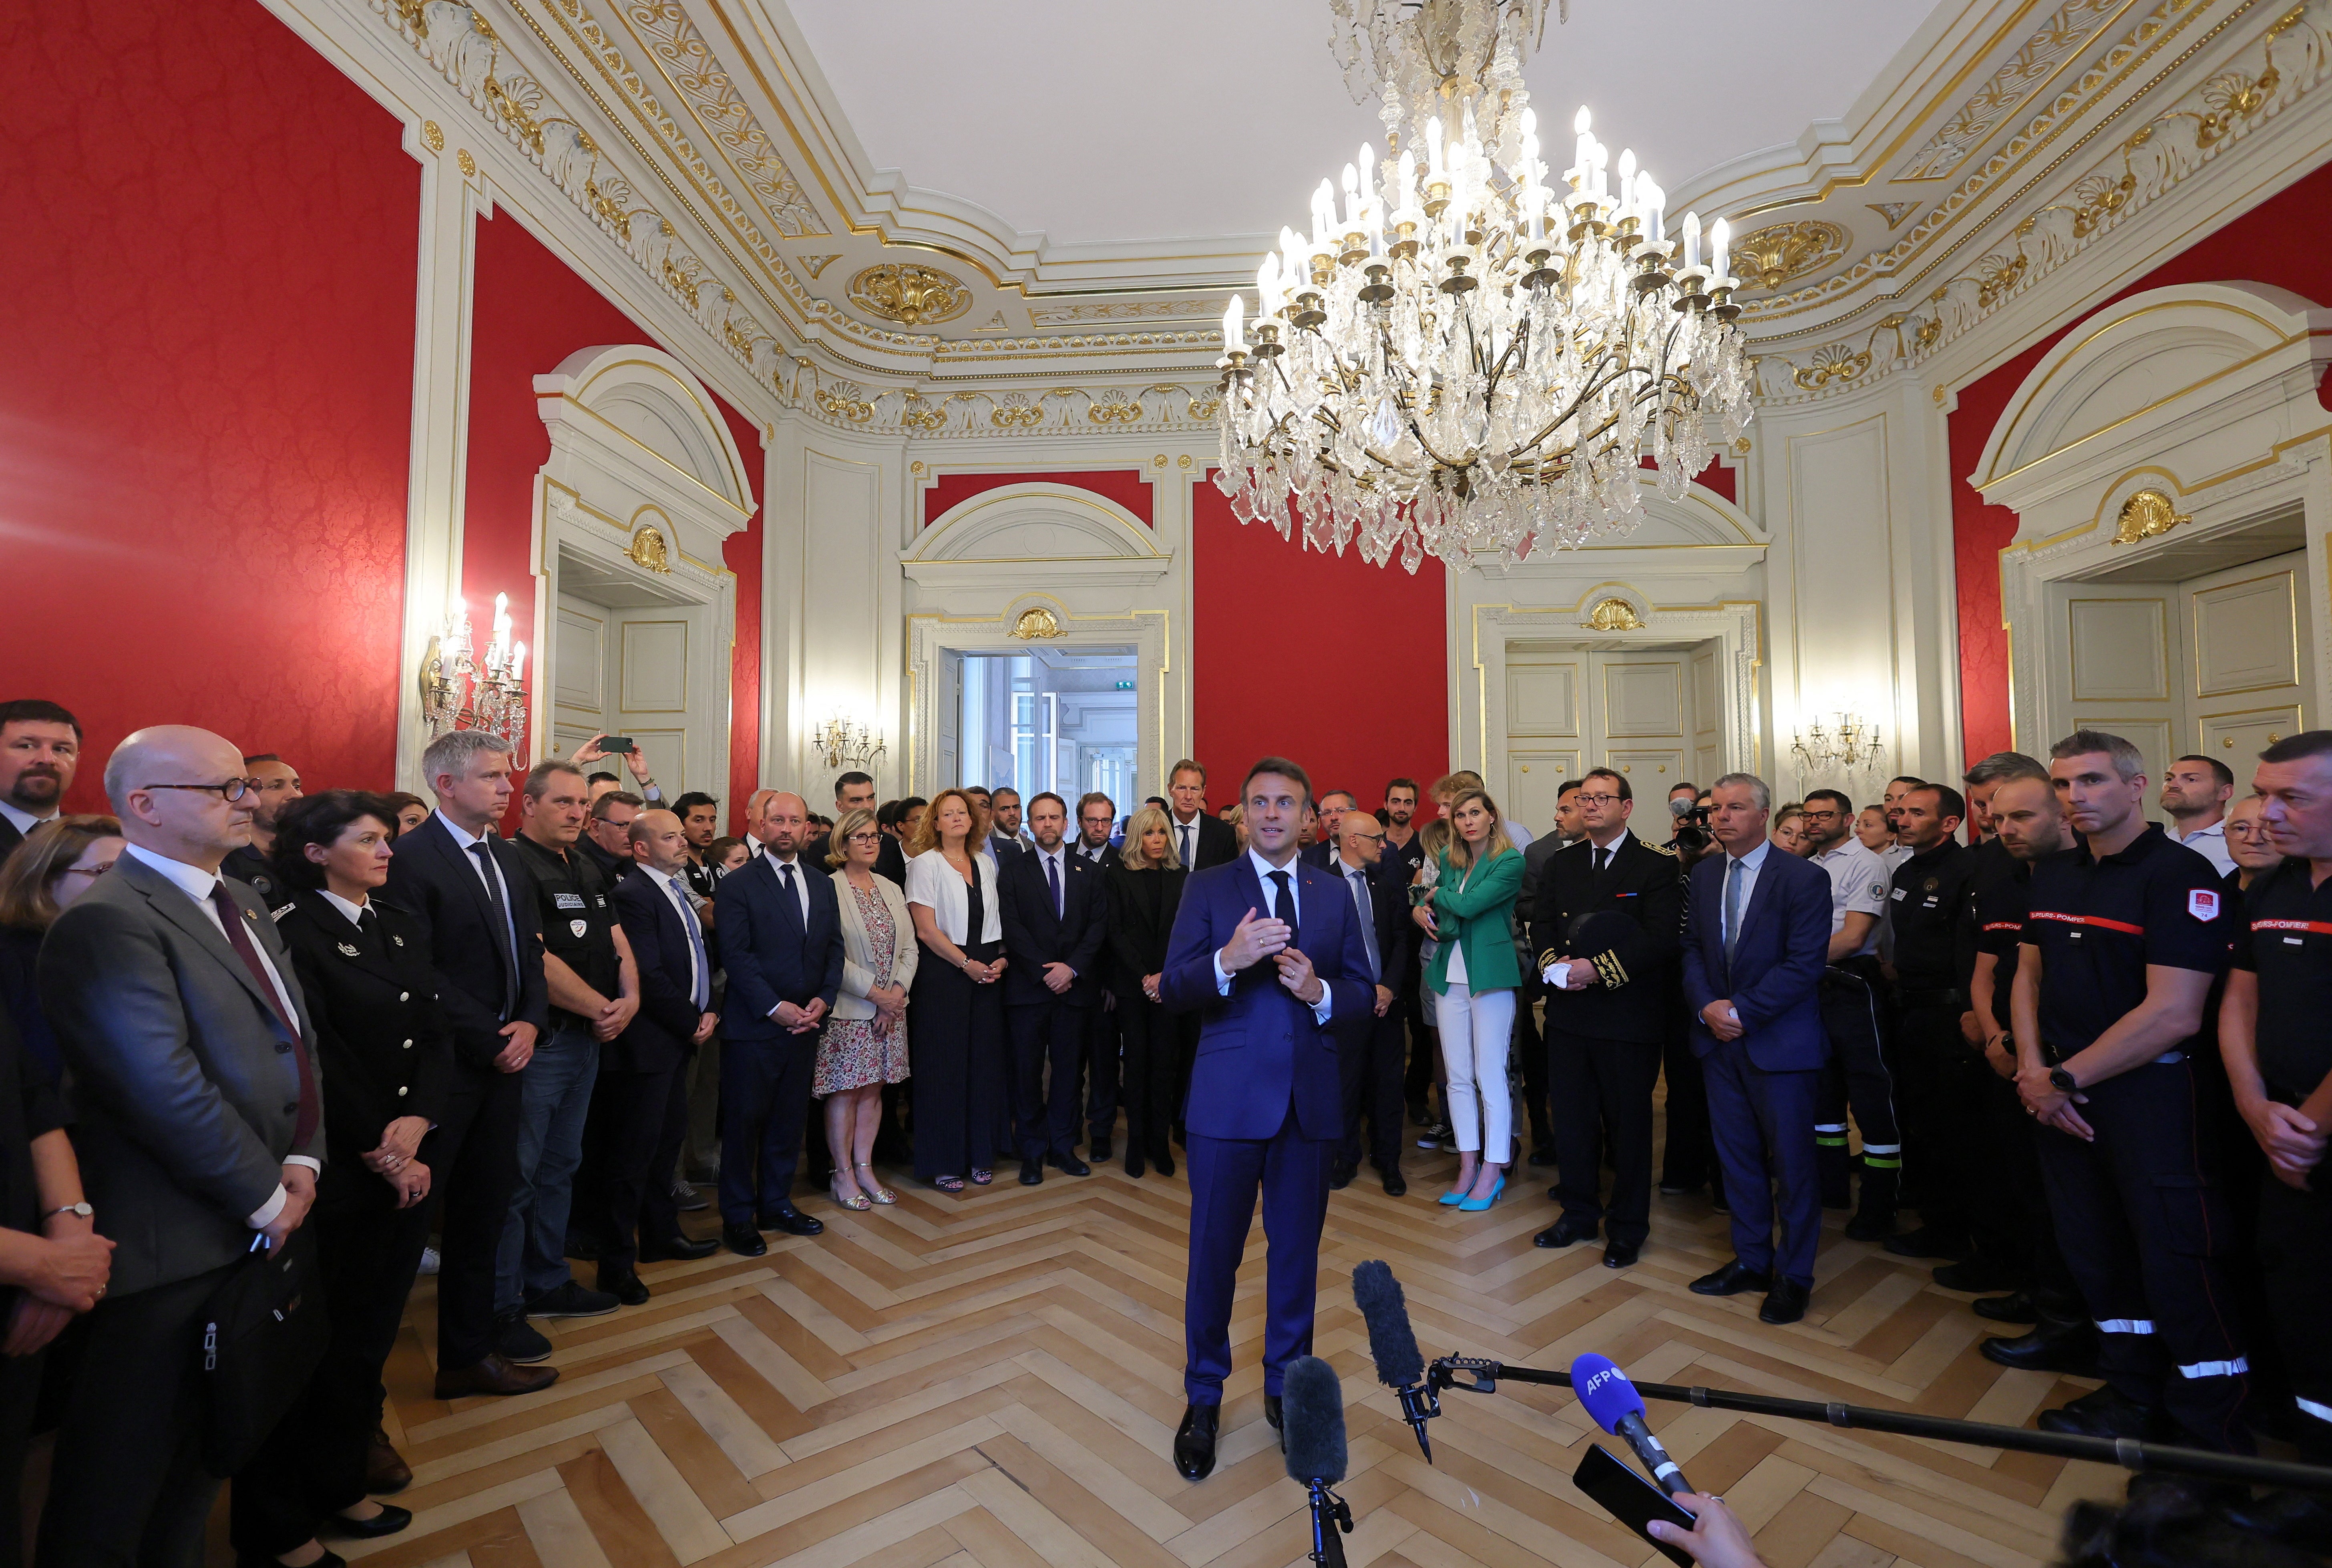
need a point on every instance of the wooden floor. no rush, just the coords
(993, 1381)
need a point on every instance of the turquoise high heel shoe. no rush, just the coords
(1449, 1199)
(1475, 1205)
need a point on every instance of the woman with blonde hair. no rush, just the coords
(866, 1046)
(1146, 889)
(1476, 974)
(58, 862)
(960, 1056)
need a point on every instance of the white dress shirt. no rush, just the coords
(1187, 847)
(777, 864)
(1264, 872)
(197, 883)
(2210, 843)
(1858, 881)
(23, 821)
(1749, 865)
(355, 911)
(677, 892)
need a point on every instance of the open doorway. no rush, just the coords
(1060, 718)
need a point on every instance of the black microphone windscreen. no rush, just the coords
(1312, 1415)
(1392, 1344)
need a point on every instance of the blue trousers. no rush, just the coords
(764, 1110)
(1291, 1171)
(555, 1098)
(1762, 1124)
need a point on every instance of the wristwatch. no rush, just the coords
(83, 1210)
(2063, 1082)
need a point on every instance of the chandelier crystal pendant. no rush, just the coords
(1460, 356)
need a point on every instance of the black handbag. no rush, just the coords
(264, 1330)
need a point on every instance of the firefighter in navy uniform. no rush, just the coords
(2278, 1053)
(1934, 946)
(1610, 907)
(2126, 935)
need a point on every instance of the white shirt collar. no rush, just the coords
(463, 836)
(1755, 858)
(192, 880)
(24, 820)
(1265, 869)
(1611, 848)
(2216, 830)
(1841, 847)
(355, 911)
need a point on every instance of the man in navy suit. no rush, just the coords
(1756, 939)
(1268, 954)
(1053, 913)
(781, 931)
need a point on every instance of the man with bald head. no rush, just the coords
(780, 932)
(200, 1127)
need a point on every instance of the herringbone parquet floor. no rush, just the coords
(993, 1381)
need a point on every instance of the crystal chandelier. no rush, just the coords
(1460, 356)
(844, 744)
(460, 693)
(1852, 746)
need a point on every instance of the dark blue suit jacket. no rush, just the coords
(770, 957)
(1259, 1047)
(430, 876)
(1775, 978)
(664, 1032)
(1033, 936)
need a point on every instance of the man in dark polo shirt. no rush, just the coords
(2273, 1034)
(1934, 950)
(2126, 935)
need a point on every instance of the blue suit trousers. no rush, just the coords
(1291, 1172)
(1762, 1124)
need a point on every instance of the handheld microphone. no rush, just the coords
(1605, 1393)
(1393, 1345)
(1679, 810)
(1312, 1419)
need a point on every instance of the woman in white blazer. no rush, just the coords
(866, 1045)
(960, 1055)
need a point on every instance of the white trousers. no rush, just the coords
(1476, 1029)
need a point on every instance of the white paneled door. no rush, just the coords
(1570, 709)
(625, 671)
(2250, 630)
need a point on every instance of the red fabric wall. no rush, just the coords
(1280, 638)
(530, 311)
(2279, 242)
(1125, 486)
(206, 394)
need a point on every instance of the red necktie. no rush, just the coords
(230, 915)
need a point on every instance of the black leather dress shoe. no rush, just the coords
(2016, 1307)
(2107, 1412)
(1032, 1173)
(1924, 1242)
(792, 1221)
(1677, 1188)
(1097, 1149)
(1543, 1158)
(743, 1240)
(1730, 1280)
(1565, 1231)
(1271, 1415)
(1073, 1165)
(2057, 1347)
(1973, 1274)
(1194, 1442)
(1395, 1184)
(1340, 1176)
(1785, 1303)
(625, 1288)
(676, 1249)
(1615, 1256)
(496, 1374)
(387, 1522)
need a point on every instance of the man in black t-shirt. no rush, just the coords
(1934, 949)
(2126, 935)
(2278, 1050)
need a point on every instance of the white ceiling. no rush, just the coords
(1108, 122)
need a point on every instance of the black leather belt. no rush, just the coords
(1946, 997)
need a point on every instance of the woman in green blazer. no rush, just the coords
(1475, 972)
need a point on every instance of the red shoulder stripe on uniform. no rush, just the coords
(2320, 927)
(2098, 921)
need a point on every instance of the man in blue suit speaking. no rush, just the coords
(1756, 938)
(1266, 952)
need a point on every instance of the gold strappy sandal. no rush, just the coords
(880, 1193)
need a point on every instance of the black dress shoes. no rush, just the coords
(1194, 1442)
(1032, 1173)
(1926, 1242)
(792, 1221)
(1072, 1165)
(1097, 1149)
(625, 1288)
(1340, 1176)
(2057, 1347)
(1730, 1280)
(1973, 1274)
(1785, 1303)
(676, 1249)
(387, 1522)
(1617, 1256)
(1565, 1231)
(2107, 1412)
(1395, 1184)
(496, 1374)
(1162, 1160)
(743, 1240)
(1541, 1159)
(2016, 1307)
(1272, 1418)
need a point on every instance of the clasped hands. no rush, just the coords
(1257, 938)
(1580, 974)
(69, 1280)
(797, 1020)
(2052, 1106)
(394, 1160)
(2293, 1143)
(1723, 1019)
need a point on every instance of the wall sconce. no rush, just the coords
(460, 690)
(1853, 745)
(845, 745)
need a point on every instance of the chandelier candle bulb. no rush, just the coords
(1234, 337)
(517, 661)
(1586, 142)
(1692, 242)
(1720, 236)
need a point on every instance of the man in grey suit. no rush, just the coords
(200, 1129)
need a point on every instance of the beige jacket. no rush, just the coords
(857, 963)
